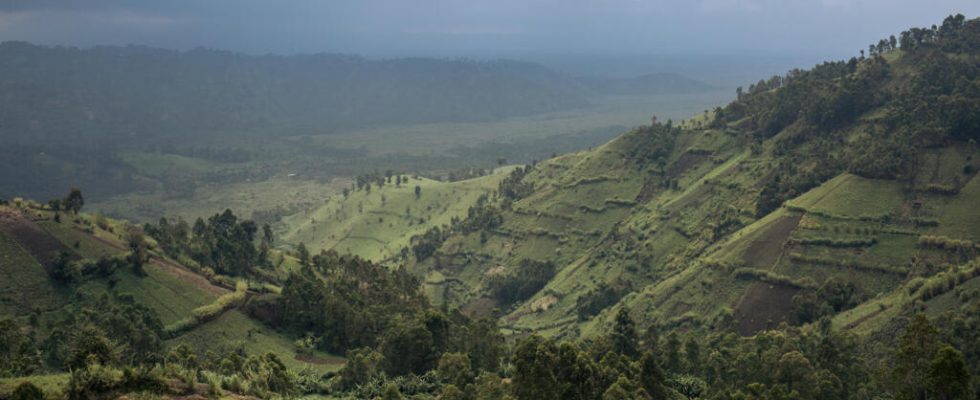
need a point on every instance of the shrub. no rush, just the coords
(27, 391)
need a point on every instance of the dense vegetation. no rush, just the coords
(814, 239)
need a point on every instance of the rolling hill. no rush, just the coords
(31, 237)
(819, 182)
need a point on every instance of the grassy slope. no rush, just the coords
(171, 291)
(377, 225)
(683, 271)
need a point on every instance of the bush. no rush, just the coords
(530, 277)
(27, 391)
(93, 381)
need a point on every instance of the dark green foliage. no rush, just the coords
(530, 276)
(223, 242)
(346, 301)
(108, 330)
(64, 269)
(19, 354)
(408, 346)
(363, 364)
(604, 295)
(534, 362)
(513, 187)
(74, 201)
(454, 369)
(652, 377)
(482, 216)
(27, 391)
(948, 377)
(138, 254)
(623, 334)
(650, 145)
(426, 244)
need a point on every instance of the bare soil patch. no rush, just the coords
(763, 306)
(479, 308)
(765, 250)
(39, 243)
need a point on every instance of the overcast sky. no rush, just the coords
(477, 27)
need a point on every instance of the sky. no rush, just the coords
(477, 28)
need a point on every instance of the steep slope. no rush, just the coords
(808, 196)
(31, 238)
(377, 224)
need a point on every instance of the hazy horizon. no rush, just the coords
(481, 28)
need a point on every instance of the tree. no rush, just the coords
(948, 376)
(673, 353)
(65, 270)
(917, 348)
(534, 363)
(652, 377)
(303, 254)
(692, 352)
(622, 389)
(362, 366)
(27, 391)
(138, 256)
(88, 344)
(624, 334)
(794, 370)
(267, 234)
(408, 347)
(451, 392)
(74, 201)
(391, 393)
(454, 369)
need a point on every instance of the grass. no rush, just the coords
(852, 196)
(24, 285)
(69, 234)
(171, 298)
(377, 225)
(52, 384)
(960, 216)
(234, 328)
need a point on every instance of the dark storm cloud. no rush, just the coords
(474, 27)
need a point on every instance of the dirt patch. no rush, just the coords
(479, 308)
(320, 360)
(543, 303)
(765, 250)
(763, 306)
(500, 269)
(686, 161)
(39, 243)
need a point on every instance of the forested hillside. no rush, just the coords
(816, 238)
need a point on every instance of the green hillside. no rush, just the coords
(816, 238)
(377, 224)
(30, 237)
(816, 194)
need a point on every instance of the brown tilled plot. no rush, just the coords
(765, 305)
(39, 243)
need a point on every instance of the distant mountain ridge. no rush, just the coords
(130, 93)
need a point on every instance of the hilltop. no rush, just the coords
(844, 193)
